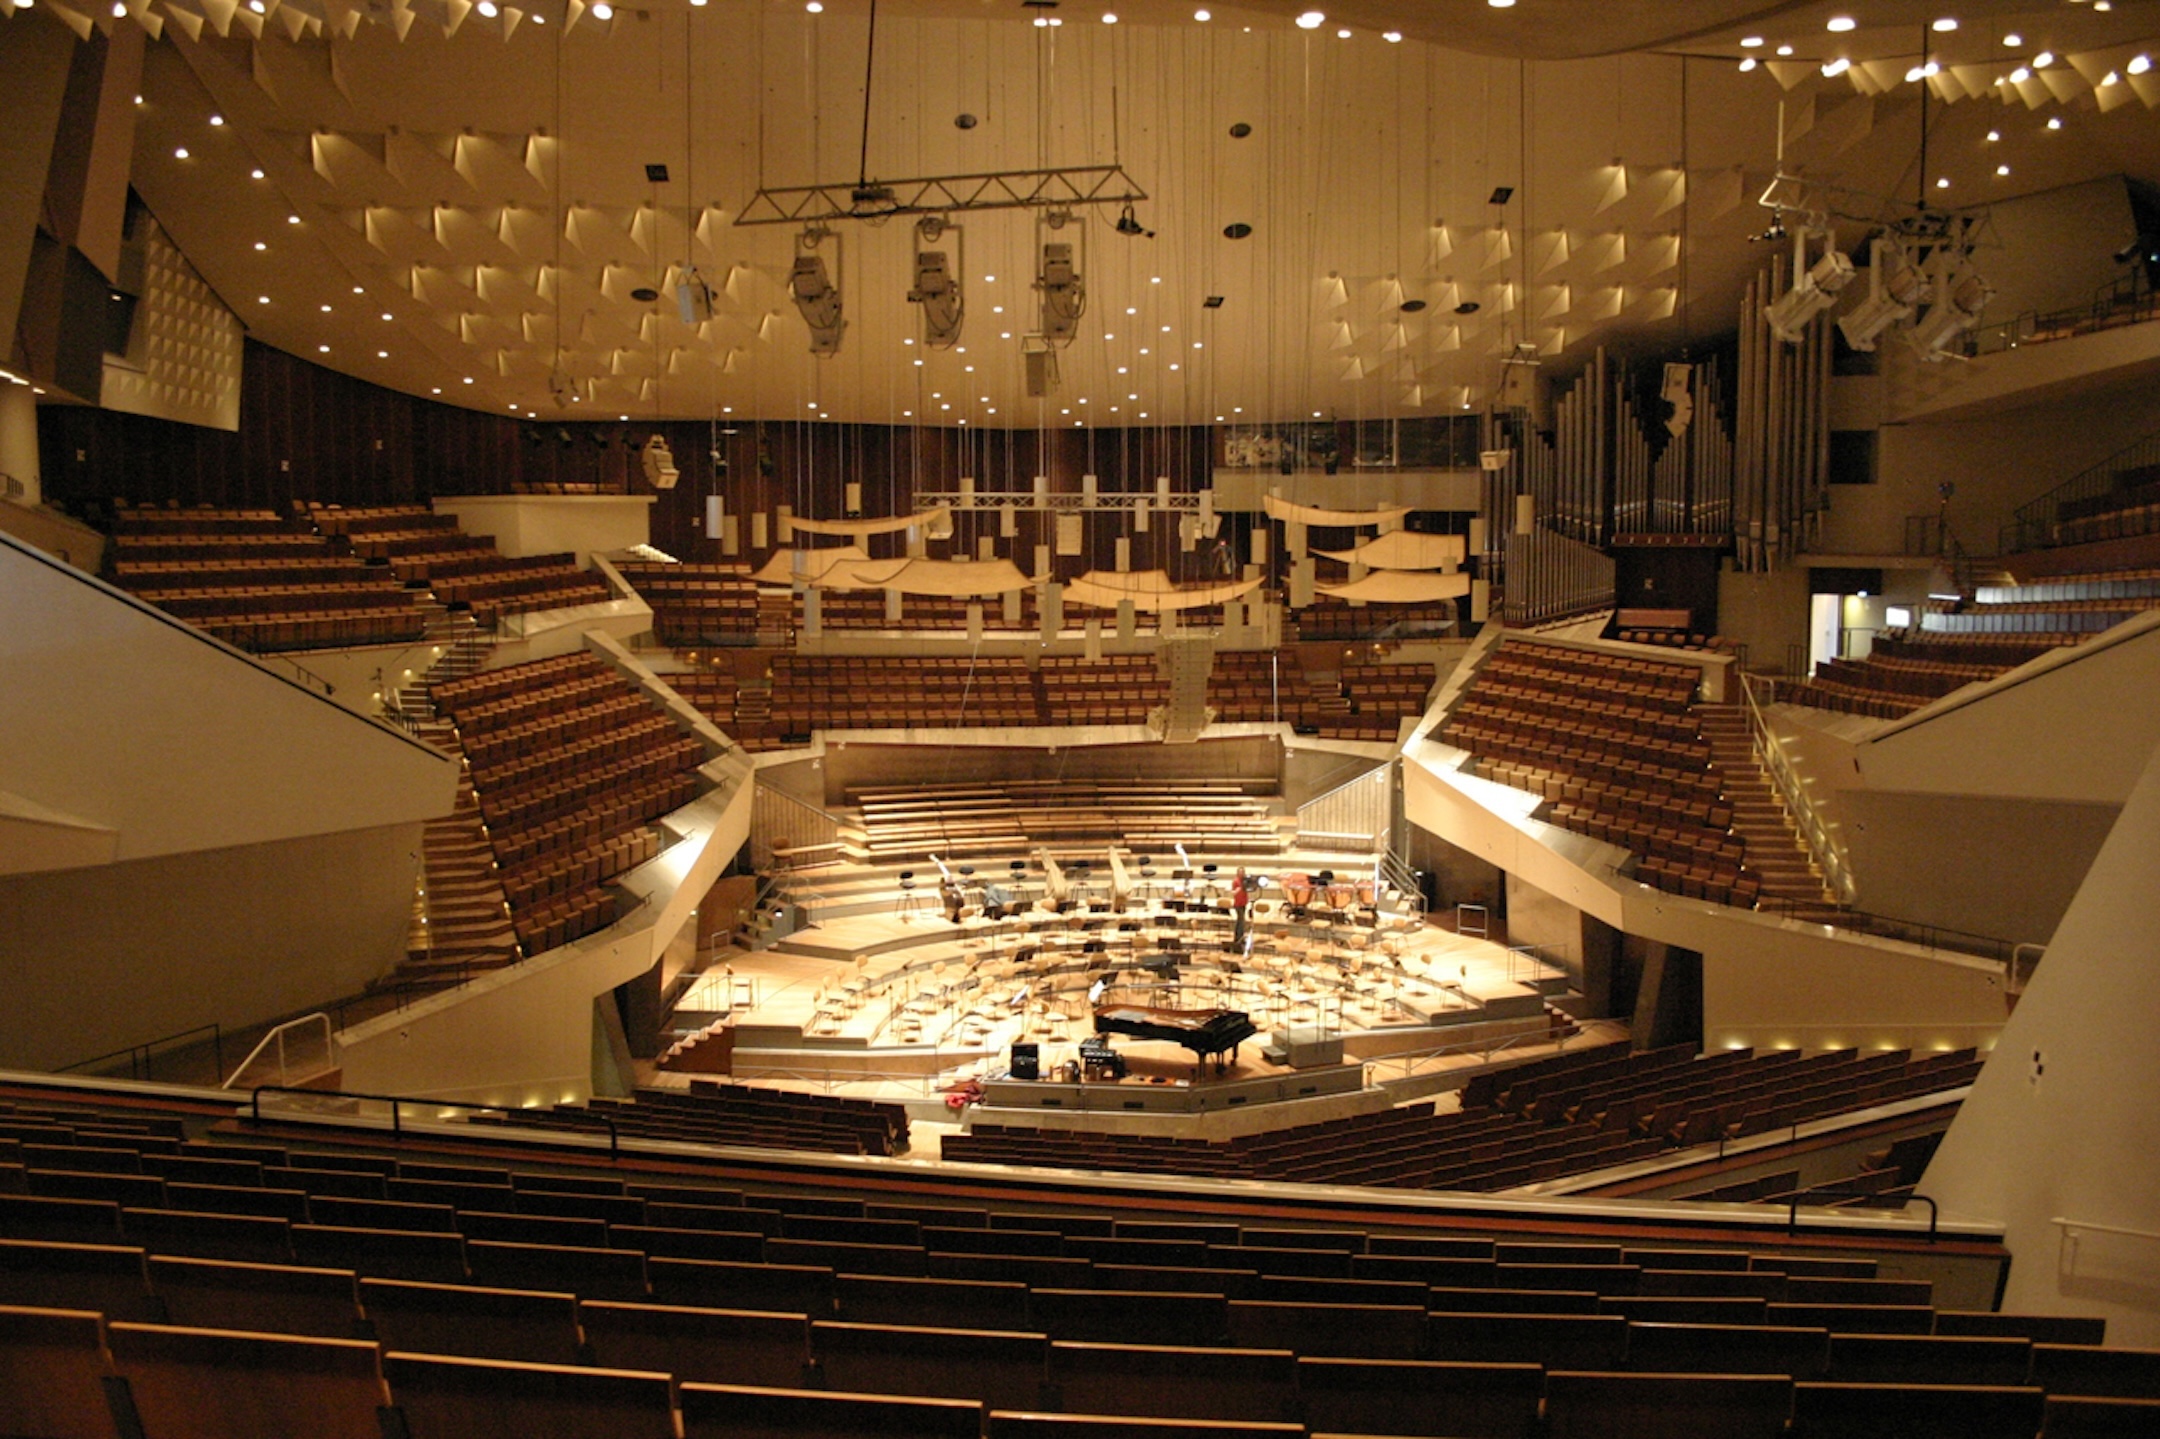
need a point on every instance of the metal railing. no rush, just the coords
(399, 1103)
(1358, 810)
(1829, 856)
(783, 826)
(140, 1056)
(1485, 1049)
(2125, 300)
(2042, 521)
(286, 1047)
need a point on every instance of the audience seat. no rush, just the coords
(718, 1411)
(214, 1384)
(449, 1398)
(709, 1346)
(53, 1373)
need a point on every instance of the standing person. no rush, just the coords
(1240, 899)
(951, 887)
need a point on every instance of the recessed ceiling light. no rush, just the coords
(1310, 20)
(604, 11)
(488, 9)
(1840, 23)
(1342, 34)
(2020, 75)
(255, 175)
(326, 309)
(292, 219)
(260, 245)
(386, 314)
(1784, 49)
(2012, 40)
(1837, 67)
(468, 380)
(1750, 42)
(181, 152)
(436, 391)
(1202, 16)
(323, 349)
(2054, 122)
(2002, 169)
(2044, 59)
(1944, 26)
(1501, 4)
(1109, 18)
(382, 354)
(216, 120)
(1747, 64)
(262, 299)
(2139, 64)
(1393, 37)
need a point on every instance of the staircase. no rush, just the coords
(1776, 852)
(461, 918)
(465, 652)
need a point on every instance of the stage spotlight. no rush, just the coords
(693, 298)
(1896, 288)
(816, 296)
(1064, 297)
(1127, 225)
(660, 471)
(936, 291)
(1964, 300)
(1814, 290)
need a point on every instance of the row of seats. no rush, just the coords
(696, 604)
(991, 1321)
(570, 765)
(1611, 1110)
(715, 1113)
(1011, 817)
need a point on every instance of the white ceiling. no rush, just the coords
(427, 174)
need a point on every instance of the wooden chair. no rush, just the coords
(110, 1279)
(215, 1383)
(998, 1369)
(54, 1370)
(451, 1398)
(1174, 1381)
(708, 1346)
(720, 1411)
(1470, 1401)
(264, 1298)
(471, 1320)
(1589, 1405)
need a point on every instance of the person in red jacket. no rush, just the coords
(1240, 900)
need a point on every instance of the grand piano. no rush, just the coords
(1203, 1031)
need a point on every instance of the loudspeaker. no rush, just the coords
(1027, 1061)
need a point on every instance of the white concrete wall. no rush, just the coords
(124, 718)
(100, 958)
(2062, 1124)
(547, 524)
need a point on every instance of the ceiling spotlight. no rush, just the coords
(1393, 37)
(1960, 308)
(1836, 67)
(1064, 297)
(1815, 289)
(2002, 169)
(2044, 59)
(816, 296)
(488, 9)
(815, 7)
(180, 153)
(1750, 42)
(2054, 122)
(1839, 24)
(1784, 49)
(1127, 225)
(2138, 65)
(1747, 64)
(1896, 288)
(255, 174)
(1501, 4)
(936, 290)
(217, 120)
(1943, 26)
(1342, 34)
(1109, 18)
(1311, 20)
(1202, 16)
(603, 11)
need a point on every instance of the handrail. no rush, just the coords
(2018, 974)
(397, 1103)
(2117, 1229)
(779, 820)
(2033, 524)
(1836, 869)
(1486, 1048)
(139, 1055)
(2121, 301)
(301, 672)
(1341, 798)
(1792, 1208)
(276, 1036)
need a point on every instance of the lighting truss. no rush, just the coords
(939, 194)
(1056, 501)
